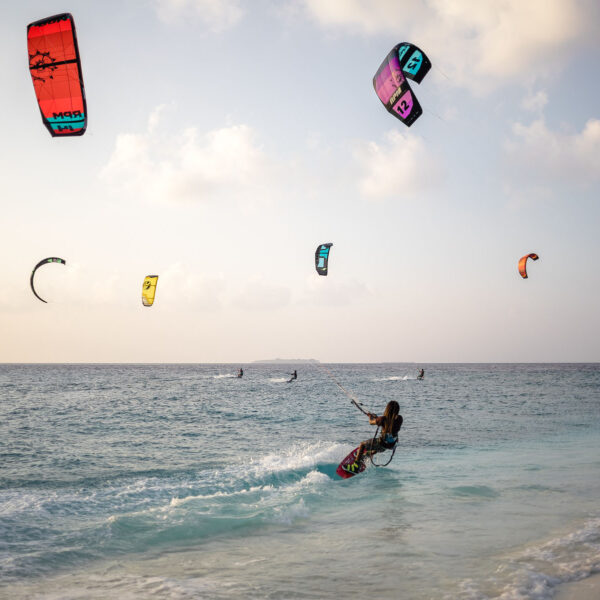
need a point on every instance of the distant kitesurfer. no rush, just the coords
(240, 373)
(390, 424)
(421, 374)
(294, 376)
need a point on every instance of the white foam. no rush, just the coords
(299, 456)
(535, 573)
(315, 477)
(125, 586)
(311, 479)
(290, 514)
(175, 502)
(296, 457)
(16, 503)
(274, 501)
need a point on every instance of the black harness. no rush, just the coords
(374, 440)
(385, 445)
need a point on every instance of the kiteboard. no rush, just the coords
(348, 461)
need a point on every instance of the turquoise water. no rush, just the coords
(181, 481)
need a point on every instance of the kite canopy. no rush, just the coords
(405, 61)
(51, 259)
(56, 74)
(149, 289)
(322, 258)
(523, 264)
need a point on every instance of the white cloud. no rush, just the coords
(537, 152)
(217, 15)
(180, 288)
(188, 165)
(479, 44)
(362, 17)
(327, 291)
(535, 102)
(155, 116)
(262, 296)
(397, 168)
(184, 288)
(229, 164)
(72, 284)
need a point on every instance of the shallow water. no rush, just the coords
(182, 481)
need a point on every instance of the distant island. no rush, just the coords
(287, 360)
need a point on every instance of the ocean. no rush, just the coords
(183, 481)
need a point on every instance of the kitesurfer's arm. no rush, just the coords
(374, 419)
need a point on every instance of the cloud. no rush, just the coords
(229, 164)
(535, 102)
(182, 287)
(72, 284)
(327, 291)
(536, 152)
(397, 168)
(480, 45)
(370, 18)
(188, 166)
(262, 296)
(217, 15)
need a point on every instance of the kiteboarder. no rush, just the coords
(240, 373)
(421, 374)
(293, 377)
(390, 423)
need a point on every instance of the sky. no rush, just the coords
(227, 139)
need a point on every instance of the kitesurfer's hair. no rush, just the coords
(389, 414)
